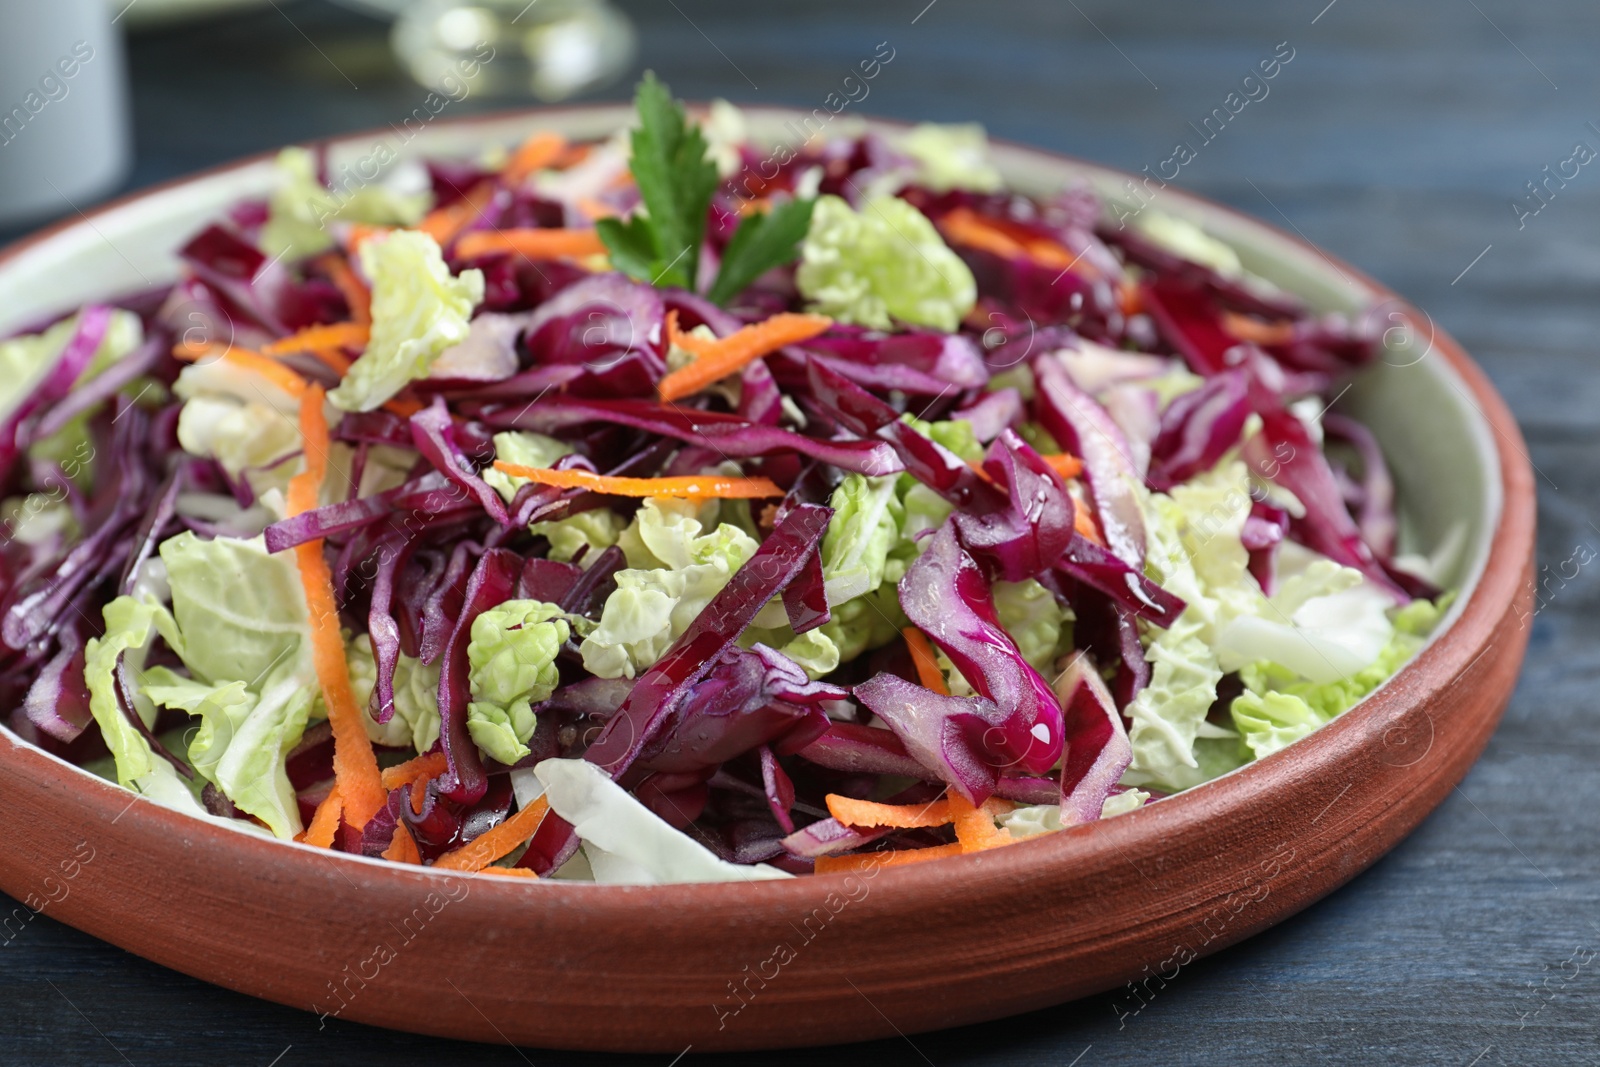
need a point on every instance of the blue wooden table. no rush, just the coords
(1400, 136)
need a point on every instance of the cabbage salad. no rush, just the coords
(674, 508)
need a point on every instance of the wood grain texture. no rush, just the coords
(1396, 139)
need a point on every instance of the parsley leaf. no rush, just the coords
(761, 242)
(675, 182)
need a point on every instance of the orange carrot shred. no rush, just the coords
(898, 857)
(497, 841)
(333, 335)
(867, 813)
(325, 821)
(355, 768)
(928, 672)
(419, 795)
(444, 224)
(245, 359)
(596, 209)
(1130, 298)
(1068, 466)
(352, 288)
(422, 768)
(536, 153)
(715, 360)
(975, 828)
(509, 872)
(334, 360)
(965, 226)
(692, 486)
(403, 848)
(531, 244)
(360, 233)
(1246, 328)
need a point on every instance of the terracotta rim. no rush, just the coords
(1452, 653)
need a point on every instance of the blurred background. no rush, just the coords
(1425, 142)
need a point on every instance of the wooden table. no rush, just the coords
(1398, 137)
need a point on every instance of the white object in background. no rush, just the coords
(63, 106)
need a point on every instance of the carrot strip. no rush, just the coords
(1246, 328)
(334, 360)
(334, 335)
(245, 359)
(403, 849)
(419, 795)
(867, 813)
(325, 821)
(1068, 466)
(497, 841)
(509, 872)
(429, 765)
(538, 152)
(596, 209)
(352, 288)
(928, 672)
(533, 244)
(1129, 297)
(715, 360)
(975, 828)
(860, 861)
(444, 224)
(360, 233)
(977, 468)
(965, 226)
(693, 486)
(355, 768)
(571, 156)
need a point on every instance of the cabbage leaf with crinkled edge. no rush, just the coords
(675, 569)
(418, 310)
(952, 156)
(881, 265)
(512, 653)
(300, 208)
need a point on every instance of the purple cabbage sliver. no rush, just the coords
(1097, 749)
(1198, 428)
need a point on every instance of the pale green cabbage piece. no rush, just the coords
(128, 627)
(512, 653)
(625, 841)
(674, 571)
(1184, 238)
(1035, 620)
(1278, 707)
(418, 311)
(415, 721)
(300, 208)
(883, 264)
(953, 156)
(867, 514)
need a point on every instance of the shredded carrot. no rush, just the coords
(715, 360)
(752, 207)
(497, 841)
(509, 872)
(245, 359)
(975, 828)
(417, 773)
(325, 821)
(1129, 297)
(571, 156)
(928, 672)
(596, 209)
(693, 486)
(867, 813)
(404, 406)
(1246, 328)
(360, 233)
(403, 848)
(977, 468)
(443, 224)
(862, 860)
(355, 768)
(538, 152)
(1068, 466)
(429, 765)
(352, 288)
(334, 335)
(967, 227)
(532, 244)
(334, 360)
